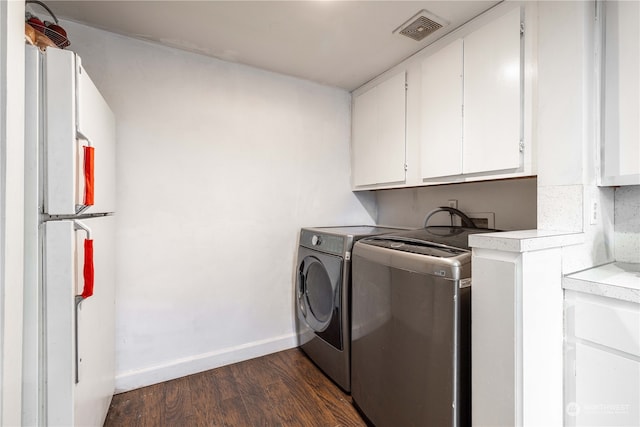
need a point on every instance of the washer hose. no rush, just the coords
(466, 221)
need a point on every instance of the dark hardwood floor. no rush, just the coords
(281, 389)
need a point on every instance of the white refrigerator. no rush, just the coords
(69, 358)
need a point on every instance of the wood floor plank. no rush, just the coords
(224, 382)
(329, 394)
(296, 406)
(178, 405)
(299, 399)
(202, 398)
(153, 397)
(280, 389)
(230, 413)
(216, 400)
(253, 380)
(133, 408)
(302, 368)
(124, 409)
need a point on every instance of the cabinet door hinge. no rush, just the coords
(406, 168)
(521, 146)
(522, 28)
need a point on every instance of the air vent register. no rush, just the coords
(421, 25)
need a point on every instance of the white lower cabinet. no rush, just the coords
(517, 327)
(602, 361)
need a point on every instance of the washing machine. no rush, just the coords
(411, 328)
(323, 294)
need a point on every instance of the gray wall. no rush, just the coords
(627, 224)
(512, 201)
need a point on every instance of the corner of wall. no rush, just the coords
(131, 380)
(627, 224)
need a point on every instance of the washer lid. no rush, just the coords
(357, 230)
(415, 246)
(413, 255)
(452, 237)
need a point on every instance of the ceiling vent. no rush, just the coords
(421, 25)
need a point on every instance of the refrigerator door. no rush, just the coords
(79, 140)
(80, 341)
(31, 374)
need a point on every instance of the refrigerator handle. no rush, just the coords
(75, 327)
(87, 289)
(89, 176)
(88, 273)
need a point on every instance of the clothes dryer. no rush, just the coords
(323, 293)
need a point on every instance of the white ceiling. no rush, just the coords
(338, 43)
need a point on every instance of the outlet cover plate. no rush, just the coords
(484, 219)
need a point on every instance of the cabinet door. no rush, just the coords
(621, 154)
(378, 147)
(441, 132)
(492, 93)
(494, 347)
(607, 388)
(602, 361)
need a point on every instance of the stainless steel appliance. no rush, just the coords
(411, 327)
(323, 289)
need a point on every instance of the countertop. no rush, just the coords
(525, 240)
(617, 280)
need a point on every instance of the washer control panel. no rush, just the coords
(328, 243)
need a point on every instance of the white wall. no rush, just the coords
(219, 165)
(566, 131)
(512, 201)
(11, 208)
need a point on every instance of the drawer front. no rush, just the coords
(612, 323)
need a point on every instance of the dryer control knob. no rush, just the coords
(316, 240)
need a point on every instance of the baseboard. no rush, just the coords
(131, 380)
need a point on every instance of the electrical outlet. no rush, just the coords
(453, 203)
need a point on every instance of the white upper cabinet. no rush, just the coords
(441, 121)
(471, 120)
(459, 110)
(620, 144)
(378, 133)
(492, 91)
